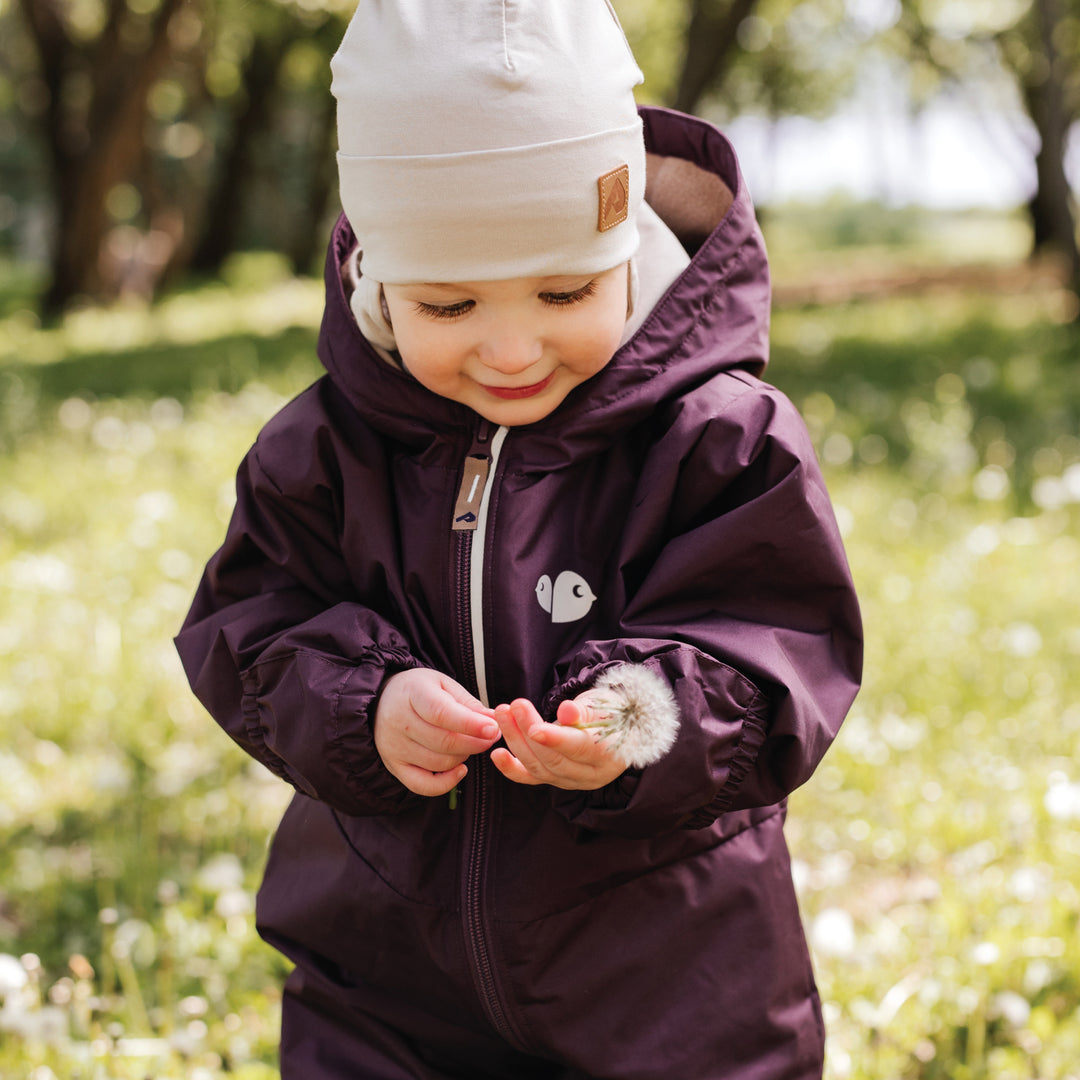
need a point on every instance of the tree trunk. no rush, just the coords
(309, 239)
(93, 143)
(224, 214)
(1052, 218)
(710, 39)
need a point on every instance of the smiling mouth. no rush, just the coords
(509, 393)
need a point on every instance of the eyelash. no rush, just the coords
(451, 311)
(566, 299)
(556, 300)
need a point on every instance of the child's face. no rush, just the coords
(511, 350)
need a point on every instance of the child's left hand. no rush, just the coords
(557, 754)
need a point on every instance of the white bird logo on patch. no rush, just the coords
(568, 600)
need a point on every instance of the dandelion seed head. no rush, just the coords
(1022, 639)
(1062, 800)
(832, 932)
(1038, 975)
(193, 1006)
(234, 902)
(634, 708)
(13, 976)
(1014, 1008)
(991, 483)
(221, 873)
(983, 539)
(48, 1025)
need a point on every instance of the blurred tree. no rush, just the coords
(780, 58)
(712, 35)
(726, 57)
(269, 93)
(175, 132)
(97, 64)
(1035, 45)
(1051, 88)
(20, 166)
(248, 118)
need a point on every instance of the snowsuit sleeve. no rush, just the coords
(281, 652)
(747, 611)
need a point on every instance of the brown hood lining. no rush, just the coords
(691, 200)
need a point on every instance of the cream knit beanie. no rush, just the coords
(488, 139)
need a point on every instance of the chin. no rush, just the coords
(515, 417)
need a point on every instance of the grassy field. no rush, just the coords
(937, 849)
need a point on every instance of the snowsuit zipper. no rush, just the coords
(470, 523)
(470, 517)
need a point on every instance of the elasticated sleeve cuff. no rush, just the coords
(337, 763)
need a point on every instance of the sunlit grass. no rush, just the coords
(937, 850)
(130, 838)
(258, 323)
(840, 236)
(959, 392)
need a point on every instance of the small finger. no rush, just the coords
(511, 768)
(557, 742)
(422, 782)
(443, 714)
(450, 715)
(432, 760)
(461, 695)
(572, 713)
(553, 750)
(440, 741)
(538, 736)
(518, 745)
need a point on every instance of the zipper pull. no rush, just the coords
(473, 482)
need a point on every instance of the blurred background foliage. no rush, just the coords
(144, 141)
(168, 186)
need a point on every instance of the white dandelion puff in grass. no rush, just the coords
(1062, 799)
(634, 708)
(833, 932)
(13, 976)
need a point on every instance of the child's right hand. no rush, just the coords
(426, 725)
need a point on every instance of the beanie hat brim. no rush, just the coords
(437, 217)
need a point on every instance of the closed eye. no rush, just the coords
(445, 311)
(564, 299)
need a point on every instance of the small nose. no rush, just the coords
(510, 349)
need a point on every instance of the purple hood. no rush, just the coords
(715, 317)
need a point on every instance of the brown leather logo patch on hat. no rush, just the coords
(614, 197)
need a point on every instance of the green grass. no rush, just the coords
(935, 386)
(937, 850)
(851, 238)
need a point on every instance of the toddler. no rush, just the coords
(536, 598)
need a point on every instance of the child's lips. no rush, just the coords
(509, 393)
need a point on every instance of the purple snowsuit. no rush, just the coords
(670, 513)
